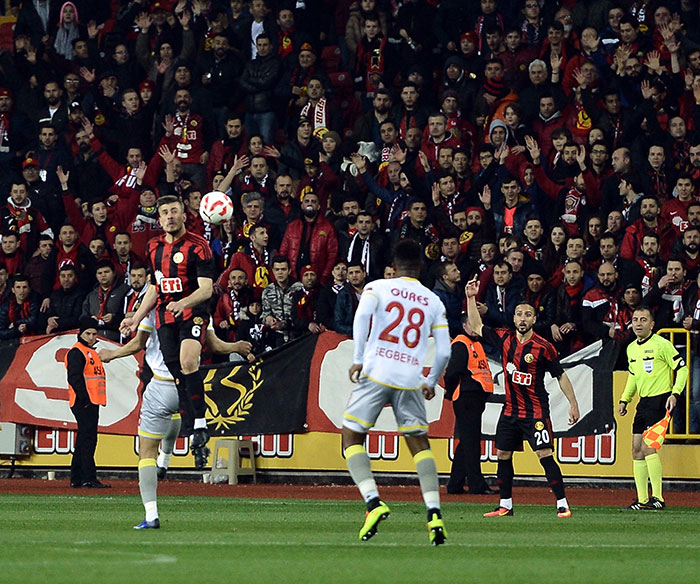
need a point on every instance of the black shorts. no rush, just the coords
(171, 335)
(650, 410)
(511, 432)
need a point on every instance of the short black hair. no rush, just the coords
(408, 255)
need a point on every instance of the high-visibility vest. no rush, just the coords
(94, 374)
(477, 364)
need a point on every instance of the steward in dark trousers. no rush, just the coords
(468, 383)
(88, 391)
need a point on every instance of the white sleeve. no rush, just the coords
(441, 334)
(360, 325)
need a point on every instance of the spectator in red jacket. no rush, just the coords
(311, 240)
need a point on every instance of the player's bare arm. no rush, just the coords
(201, 294)
(568, 391)
(129, 324)
(216, 345)
(132, 347)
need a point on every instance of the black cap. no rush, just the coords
(85, 323)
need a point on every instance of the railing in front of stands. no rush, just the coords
(680, 421)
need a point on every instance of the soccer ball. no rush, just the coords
(216, 207)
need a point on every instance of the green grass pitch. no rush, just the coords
(74, 539)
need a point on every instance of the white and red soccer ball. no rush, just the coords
(216, 207)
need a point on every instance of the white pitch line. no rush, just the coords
(450, 543)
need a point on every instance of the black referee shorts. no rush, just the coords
(650, 410)
(511, 431)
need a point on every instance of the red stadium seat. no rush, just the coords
(7, 33)
(342, 83)
(350, 108)
(331, 59)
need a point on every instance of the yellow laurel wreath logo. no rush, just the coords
(241, 406)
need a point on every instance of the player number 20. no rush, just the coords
(411, 334)
(541, 437)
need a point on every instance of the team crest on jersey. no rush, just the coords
(178, 257)
(193, 123)
(539, 425)
(198, 320)
(112, 229)
(648, 365)
(529, 358)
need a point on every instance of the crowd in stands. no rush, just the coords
(550, 149)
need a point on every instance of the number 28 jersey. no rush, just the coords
(401, 314)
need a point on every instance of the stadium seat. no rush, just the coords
(350, 108)
(233, 468)
(7, 33)
(342, 83)
(331, 58)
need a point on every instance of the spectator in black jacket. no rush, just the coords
(325, 304)
(543, 297)
(19, 314)
(349, 298)
(66, 302)
(258, 82)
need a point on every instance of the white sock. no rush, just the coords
(200, 423)
(506, 503)
(163, 460)
(369, 493)
(151, 510)
(562, 503)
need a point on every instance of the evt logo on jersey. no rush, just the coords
(517, 376)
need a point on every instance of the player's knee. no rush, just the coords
(544, 453)
(504, 454)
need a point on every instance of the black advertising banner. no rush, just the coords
(267, 397)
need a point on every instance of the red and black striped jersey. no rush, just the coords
(176, 267)
(524, 368)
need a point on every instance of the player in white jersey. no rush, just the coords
(391, 328)
(159, 419)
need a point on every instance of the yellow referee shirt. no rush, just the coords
(652, 363)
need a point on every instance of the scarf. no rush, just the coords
(371, 62)
(696, 312)
(364, 258)
(574, 292)
(19, 311)
(531, 33)
(681, 155)
(481, 22)
(235, 316)
(675, 297)
(320, 117)
(64, 41)
(648, 279)
(4, 133)
(573, 202)
(102, 297)
(286, 45)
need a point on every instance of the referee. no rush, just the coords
(652, 362)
